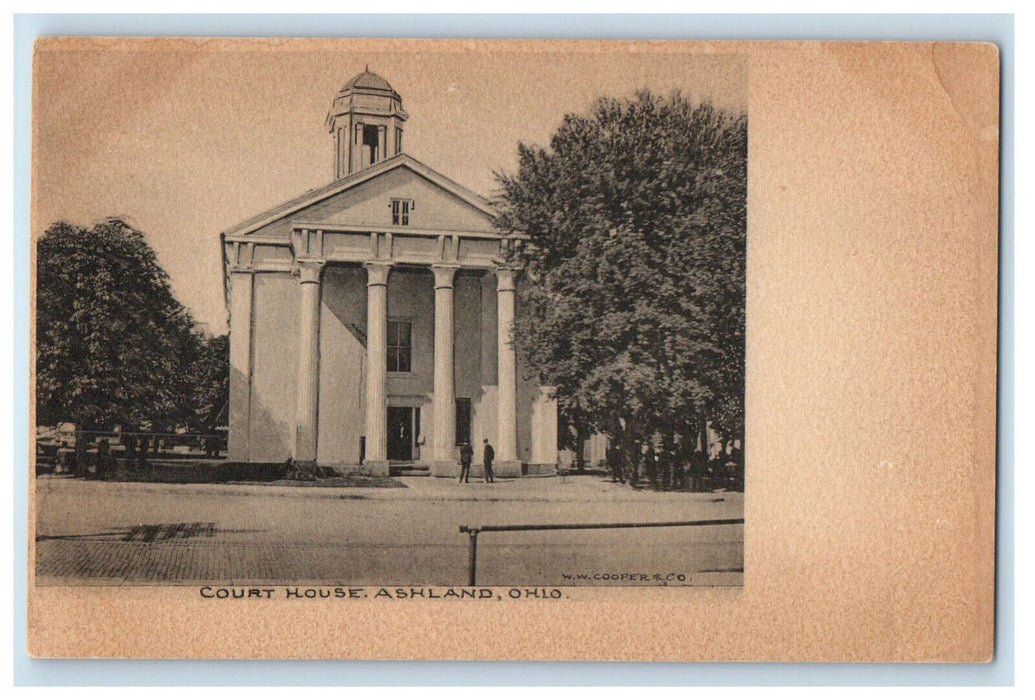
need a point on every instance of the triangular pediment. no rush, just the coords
(365, 198)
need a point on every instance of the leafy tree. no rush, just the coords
(636, 226)
(113, 344)
(211, 382)
(576, 429)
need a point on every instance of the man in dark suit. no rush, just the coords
(466, 457)
(487, 456)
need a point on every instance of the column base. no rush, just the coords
(377, 467)
(509, 468)
(445, 469)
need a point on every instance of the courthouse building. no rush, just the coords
(370, 319)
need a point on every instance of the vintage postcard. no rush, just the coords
(385, 349)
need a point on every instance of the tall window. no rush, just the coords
(463, 421)
(371, 144)
(400, 346)
(401, 212)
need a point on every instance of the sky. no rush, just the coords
(185, 138)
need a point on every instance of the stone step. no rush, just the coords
(410, 470)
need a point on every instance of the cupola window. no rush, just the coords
(367, 120)
(371, 144)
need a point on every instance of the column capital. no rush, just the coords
(308, 271)
(239, 256)
(444, 274)
(377, 272)
(506, 277)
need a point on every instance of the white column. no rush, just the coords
(376, 457)
(444, 434)
(506, 449)
(308, 360)
(240, 365)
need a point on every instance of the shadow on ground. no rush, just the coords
(161, 532)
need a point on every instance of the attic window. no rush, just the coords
(401, 212)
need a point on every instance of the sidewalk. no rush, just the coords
(140, 533)
(553, 489)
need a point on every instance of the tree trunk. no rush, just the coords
(687, 446)
(79, 468)
(669, 460)
(580, 451)
(651, 459)
(635, 457)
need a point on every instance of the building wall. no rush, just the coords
(467, 356)
(484, 406)
(341, 410)
(544, 429)
(531, 404)
(275, 367)
(595, 450)
(527, 393)
(343, 352)
(411, 297)
(240, 291)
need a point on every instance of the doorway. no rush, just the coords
(401, 433)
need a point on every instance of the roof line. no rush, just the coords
(353, 179)
(468, 195)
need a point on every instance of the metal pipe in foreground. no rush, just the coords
(473, 558)
(473, 531)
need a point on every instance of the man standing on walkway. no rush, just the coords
(487, 456)
(466, 457)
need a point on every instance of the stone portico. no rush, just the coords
(371, 319)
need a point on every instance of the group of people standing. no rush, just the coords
(467, 456)
(724, 470)
(137, 449)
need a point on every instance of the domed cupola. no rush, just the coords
(366, 119)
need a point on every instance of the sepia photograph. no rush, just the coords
(476, 349)
(317, 316)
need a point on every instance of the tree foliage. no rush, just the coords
(210, 380)
(636, 224)
(113, 344)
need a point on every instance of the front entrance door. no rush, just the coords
(400, 433)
